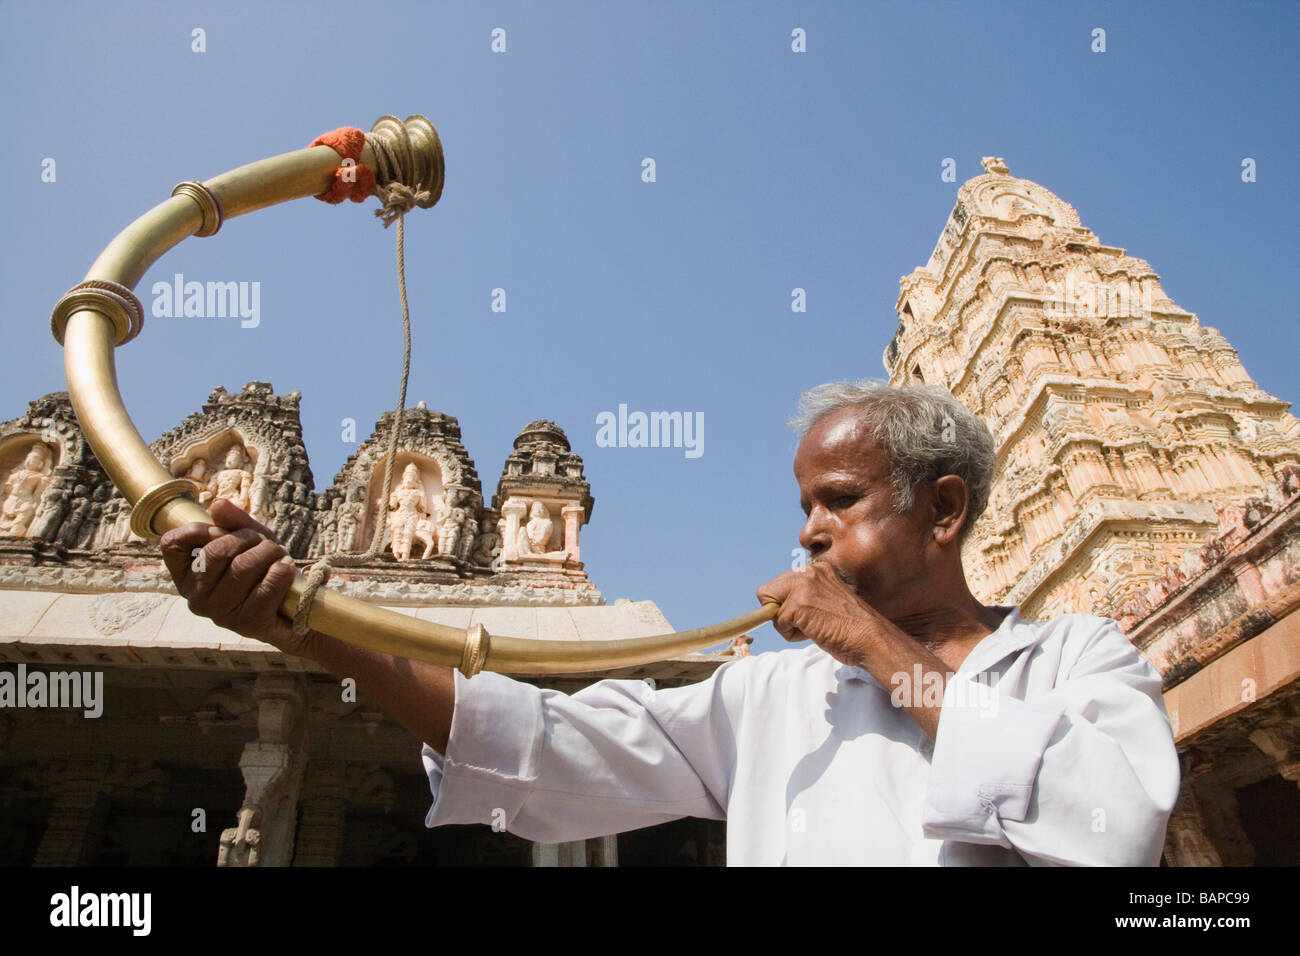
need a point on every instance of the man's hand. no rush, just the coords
(817, 605)
(237, 574)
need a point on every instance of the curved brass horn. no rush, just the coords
(102, 313)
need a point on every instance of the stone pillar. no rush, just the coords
(573, 514)
(598, 851)
(606, 850)
(80, 796)
(272, 766)
(324, 809)
(1280, 743)
(1221, 819)
(513, 510)
(1186, 841)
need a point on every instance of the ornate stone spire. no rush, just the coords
(543, 500)
(1121, 422)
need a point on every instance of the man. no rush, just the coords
(919, 727)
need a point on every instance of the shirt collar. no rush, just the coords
(1013, 634)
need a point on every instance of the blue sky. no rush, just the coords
(775, 170)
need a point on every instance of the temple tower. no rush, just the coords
(1126, 430)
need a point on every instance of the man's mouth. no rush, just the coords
(839, 573)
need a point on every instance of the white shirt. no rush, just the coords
(1053, 748)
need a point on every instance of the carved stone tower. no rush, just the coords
(1125, 429)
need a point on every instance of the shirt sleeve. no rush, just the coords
(1084, 774)
(615, 756)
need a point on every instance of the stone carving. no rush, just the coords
(23, 489)
(543, 500)
(1232, 522)
(234, 482)
(114, 613)
(454, 523)
(325, 540)
(1097, 373)
(1290, 481)
(246, 447)
(241, 845)
(52, 498)
(433, 509)
(198, 473)
(351, 518)
(535, 536)
(487, 545)
(468, 525)
(89, 527)
(409, 518)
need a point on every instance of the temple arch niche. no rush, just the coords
(27, 465)
(415, 511)
(226, 465)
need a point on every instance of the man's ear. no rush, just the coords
(951, 507)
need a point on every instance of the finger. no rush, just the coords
(778, 589)
(179, 544)
(263, 605)
(789, 630)
(790, 618)
(231, 517)
(216, 558)
(245, 571)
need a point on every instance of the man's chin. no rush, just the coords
(853, 583)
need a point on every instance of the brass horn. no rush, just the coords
(101, 313)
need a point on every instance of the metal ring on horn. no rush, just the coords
(146, 509)
(208, 203)
(102, 313)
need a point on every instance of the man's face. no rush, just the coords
(845, 490)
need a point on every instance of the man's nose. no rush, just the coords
(813, 535)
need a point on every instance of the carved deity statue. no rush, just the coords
(449, 523)
(352, 514)
(486, 547)
(90, 527)
(326, 528)
(22, 490)
(469, 531)
(199, 474)
(234, 482)
(409, 515)
(535, 536)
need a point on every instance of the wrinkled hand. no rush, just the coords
(236, 574)
(817, 605)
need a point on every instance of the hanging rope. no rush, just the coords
(397, 198)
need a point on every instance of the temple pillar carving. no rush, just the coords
(81, 786)
(597, 851)
(324, 811)
(513, 511)
(1186, 841)
(272, 767)
(573, 515)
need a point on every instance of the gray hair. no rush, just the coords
(926, 432)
